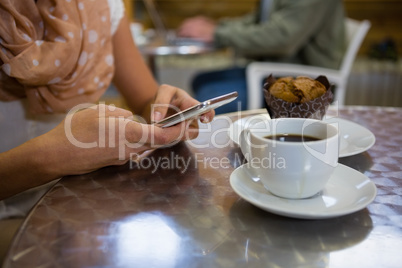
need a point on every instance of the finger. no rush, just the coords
(147, 136)
(162, 101)
(173, 98)
(192, 130)
(207, 117)
(183, 100)
(170, 135)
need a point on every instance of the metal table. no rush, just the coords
(160, 47)
(182, 212)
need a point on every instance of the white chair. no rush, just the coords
(257, 71)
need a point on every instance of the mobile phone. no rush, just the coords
(197, 110)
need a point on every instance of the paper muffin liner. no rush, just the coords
(315, 109)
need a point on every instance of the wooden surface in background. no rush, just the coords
(129, 8)
(385, 15)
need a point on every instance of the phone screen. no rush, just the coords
(197, 110)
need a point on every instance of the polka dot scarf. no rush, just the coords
(55, 53)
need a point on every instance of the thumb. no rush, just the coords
(160, 110)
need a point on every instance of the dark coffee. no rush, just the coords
(292, 137)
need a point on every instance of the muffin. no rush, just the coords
(297, 97)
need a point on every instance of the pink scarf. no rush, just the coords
(55, 53)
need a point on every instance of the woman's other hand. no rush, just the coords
(171, 100)
(198, 27)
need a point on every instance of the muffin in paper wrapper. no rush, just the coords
(315, 108)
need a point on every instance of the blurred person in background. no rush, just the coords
(309, 32)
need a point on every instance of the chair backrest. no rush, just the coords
(257, 71)
(355, 33)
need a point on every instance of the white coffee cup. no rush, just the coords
(291, 169)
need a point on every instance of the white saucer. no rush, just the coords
(355, 138)
(347, 191)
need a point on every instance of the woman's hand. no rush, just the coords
(170, 100)
(86, 140)
(105, 135)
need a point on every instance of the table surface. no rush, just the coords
(185, 214)
(160, 47)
